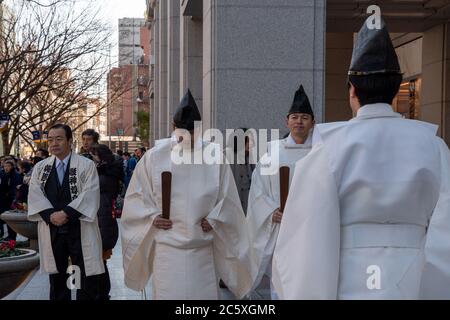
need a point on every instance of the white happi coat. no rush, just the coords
(85, 192)
(184, 262)
(264, 198)
(368, 213)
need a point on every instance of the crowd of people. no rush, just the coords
(15, 175)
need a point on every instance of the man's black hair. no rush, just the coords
(91, 133)
(66, 129)
(376, 88)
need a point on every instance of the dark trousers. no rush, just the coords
(64, 246)
(104, 284)
(12, 235)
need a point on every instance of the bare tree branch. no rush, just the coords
(52, 63)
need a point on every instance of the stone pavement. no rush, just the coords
(36, 287)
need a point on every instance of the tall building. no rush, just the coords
(128, 86)
(243, 60)
(96, 116)
(128, 94)
(130, 46)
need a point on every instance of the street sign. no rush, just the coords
(36, 136)
(4, 120)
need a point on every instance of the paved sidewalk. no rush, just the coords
(37, 286)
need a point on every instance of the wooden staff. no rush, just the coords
(166, 181)
(284, 186)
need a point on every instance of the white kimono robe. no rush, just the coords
(368, 213)
(264, 198)
(185, 262)
(85, 192)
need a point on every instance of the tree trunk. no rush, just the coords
(6, 144)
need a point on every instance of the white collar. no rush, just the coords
(65, 160)
(290, 142)
(376, 110)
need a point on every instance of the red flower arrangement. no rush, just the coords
(8, 249)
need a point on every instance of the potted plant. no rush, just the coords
(18, 221)
(15, 266)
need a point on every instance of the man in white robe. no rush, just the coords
(368, 213)
(64, 199)
(264, 215)
(205, 238)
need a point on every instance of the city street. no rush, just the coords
(37, 285)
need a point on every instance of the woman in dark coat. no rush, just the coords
(9, 180)
(25, 171)
(110, 172)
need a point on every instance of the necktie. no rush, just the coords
(60, 170)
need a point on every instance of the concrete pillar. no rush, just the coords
(446, 85)
(163, 22)
(255, 55)
(191, 59)
(339, 47)
(435, 99)
(157, 102)
(173, 68)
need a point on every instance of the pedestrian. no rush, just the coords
(9, 180)
(25, 170)
(264, 212)
(110, 172)
(89, 138)
(368, 212)
(42, 153)
(241, 167)
(64, 198)
(204, 239)
(139, 153)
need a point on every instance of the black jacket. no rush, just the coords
(60, 198)
(111, 177)
(8, 184)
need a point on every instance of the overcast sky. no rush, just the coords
(116, 9)
(113, 10)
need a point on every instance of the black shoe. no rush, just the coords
(222, 284)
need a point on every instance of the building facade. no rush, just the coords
(128, 86)
(130, 49)
(243, 60)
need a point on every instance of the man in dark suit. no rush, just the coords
(64, 178)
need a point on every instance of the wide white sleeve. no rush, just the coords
(306, 258)
(262, 230)
(232, 252)
(436, 276)
(137, 230)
